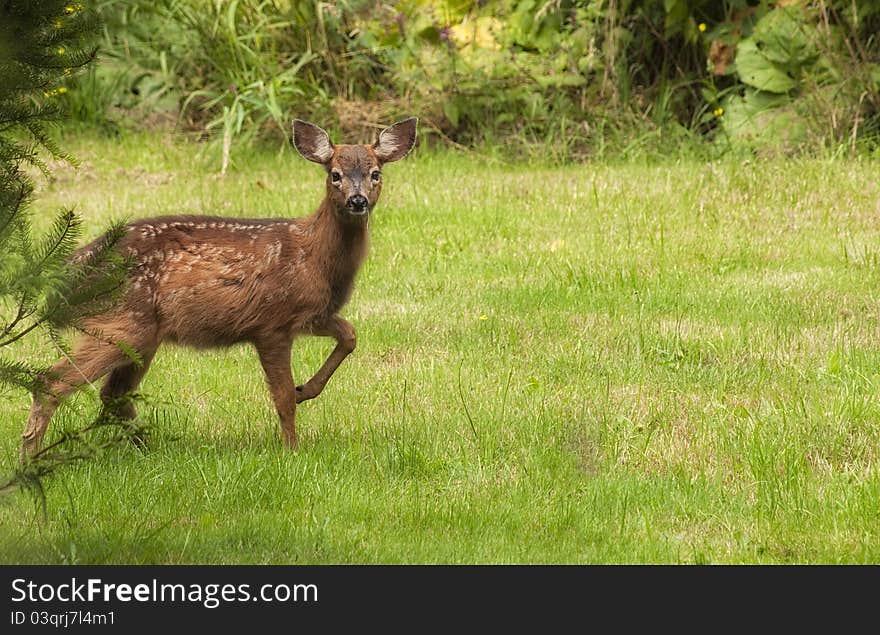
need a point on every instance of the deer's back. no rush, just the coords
(210, 281)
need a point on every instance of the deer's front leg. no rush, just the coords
(343, 332)
(275, 359)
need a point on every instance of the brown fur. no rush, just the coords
(207, 281)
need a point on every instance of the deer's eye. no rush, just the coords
(376, 175)
(335, 176)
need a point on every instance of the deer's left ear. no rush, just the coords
(312, 141)
(396, 141)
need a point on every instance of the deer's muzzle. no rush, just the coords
(357, 205)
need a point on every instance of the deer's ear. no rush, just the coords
(396, 141)
(312, 142)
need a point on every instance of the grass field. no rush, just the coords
(589, 364)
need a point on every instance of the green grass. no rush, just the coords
(589, 364)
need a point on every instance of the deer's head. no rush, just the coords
(354, 172)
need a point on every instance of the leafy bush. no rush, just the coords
(805, 76)
(566, 77)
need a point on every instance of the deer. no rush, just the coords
(212, 282)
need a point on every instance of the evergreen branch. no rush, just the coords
(18, 373)
(72, 447)
(20, 315)
(51, 288)
(16, 207)
(21, 334)
(65, 229)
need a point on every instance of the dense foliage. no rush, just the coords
(42, 47)
(559, 77)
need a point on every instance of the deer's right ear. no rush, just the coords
(396, 141)
(312, 142)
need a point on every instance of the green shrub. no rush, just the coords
(805, 77)
(554, 79)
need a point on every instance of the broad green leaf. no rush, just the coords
(756, 70)
(762, 119)
(783, 37)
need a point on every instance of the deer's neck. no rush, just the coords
(339, 247)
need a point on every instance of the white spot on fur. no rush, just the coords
(274, 252)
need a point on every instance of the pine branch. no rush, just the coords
(13, 211)
(45, 283)
(73, 447)
(18, 373)
(59, 243)
(23, 312)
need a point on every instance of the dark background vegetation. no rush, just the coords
(554, 80)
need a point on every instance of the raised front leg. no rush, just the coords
(275, 359)
(343, 332)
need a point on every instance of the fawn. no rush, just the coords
(207, 281)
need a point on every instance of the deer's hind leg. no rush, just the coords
(93, 357)
(122, 381)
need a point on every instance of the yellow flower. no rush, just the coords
(718, 111)
(62, 90)
(57, 24)
(702, 27)
(45, 94)
(69, 9)
(484, 317)
(60, 50)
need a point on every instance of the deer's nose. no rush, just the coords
(358, 201)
